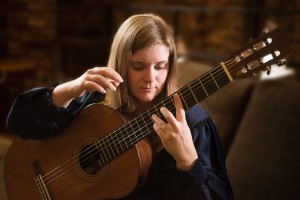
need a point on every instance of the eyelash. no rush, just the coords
(158, 67)
(161, 66)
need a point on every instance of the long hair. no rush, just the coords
(137, 32)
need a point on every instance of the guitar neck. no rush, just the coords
(140, 127)
(204, 86)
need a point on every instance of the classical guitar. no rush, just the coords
(104, 155)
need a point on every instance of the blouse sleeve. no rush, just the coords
(33, 115)
(208, 177)
(209, 172)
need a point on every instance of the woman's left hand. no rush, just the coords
(176, 135)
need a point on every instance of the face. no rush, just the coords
(147, 73)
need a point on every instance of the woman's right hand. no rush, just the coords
(96, 79)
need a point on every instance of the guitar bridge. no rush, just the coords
(40, 181)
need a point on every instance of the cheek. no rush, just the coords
(131, 79)
(162, 77)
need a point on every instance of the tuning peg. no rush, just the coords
(253, 48)
(268, 70)
(281, 62)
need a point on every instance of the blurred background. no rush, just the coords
(47, 41)
(43, 42)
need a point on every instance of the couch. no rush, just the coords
(259, 126)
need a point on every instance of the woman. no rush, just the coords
(140, 73)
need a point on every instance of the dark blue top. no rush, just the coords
(33, 116)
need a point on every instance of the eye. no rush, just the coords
(137, 66)
(160, 66)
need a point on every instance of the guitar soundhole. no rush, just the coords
(89, 160)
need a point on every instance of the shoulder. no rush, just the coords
(196, 114)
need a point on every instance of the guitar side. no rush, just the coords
(61, 171)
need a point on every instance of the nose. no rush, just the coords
(149, 75)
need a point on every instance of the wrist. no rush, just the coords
(186, 165)
(62, 95)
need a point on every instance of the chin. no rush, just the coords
(147, 99)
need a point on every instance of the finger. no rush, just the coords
(102, 81)
(169, 116)
(115, 83)
(91, 86)
(108, 73)
(160, 123)
(157, 130)
(180, 113)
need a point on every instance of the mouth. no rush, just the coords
(148, 89)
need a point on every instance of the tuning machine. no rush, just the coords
(268, 70)
(281, 62)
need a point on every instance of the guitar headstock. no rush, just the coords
(260, 54)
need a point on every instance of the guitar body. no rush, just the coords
(64, 174)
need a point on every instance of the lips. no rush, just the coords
(148, 89)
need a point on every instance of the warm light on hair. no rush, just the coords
(137, 32)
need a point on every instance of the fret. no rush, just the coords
(195, 98)
(99, 147)
(198, 90)
(149, 114)
(100, 163)
(133, 133)
(208, 84)
(170, 104)
(140, 130)
(118, 142)
(123, 139)
(203, 87)
(128, 134)
(103, 161)
(182, 100)
(146, 125)
(214, 80)
(100, 153)
(159, 114)
(113, 145)
(107, 147)
(221, 78)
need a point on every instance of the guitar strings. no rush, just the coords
(56, 172)
(112, 138)
(107, 146)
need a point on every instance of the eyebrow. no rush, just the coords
(141, 62)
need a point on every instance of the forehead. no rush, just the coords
(152, 54)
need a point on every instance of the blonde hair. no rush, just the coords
(137, 32)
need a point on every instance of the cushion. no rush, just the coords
(264, 161)
(227, 107)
